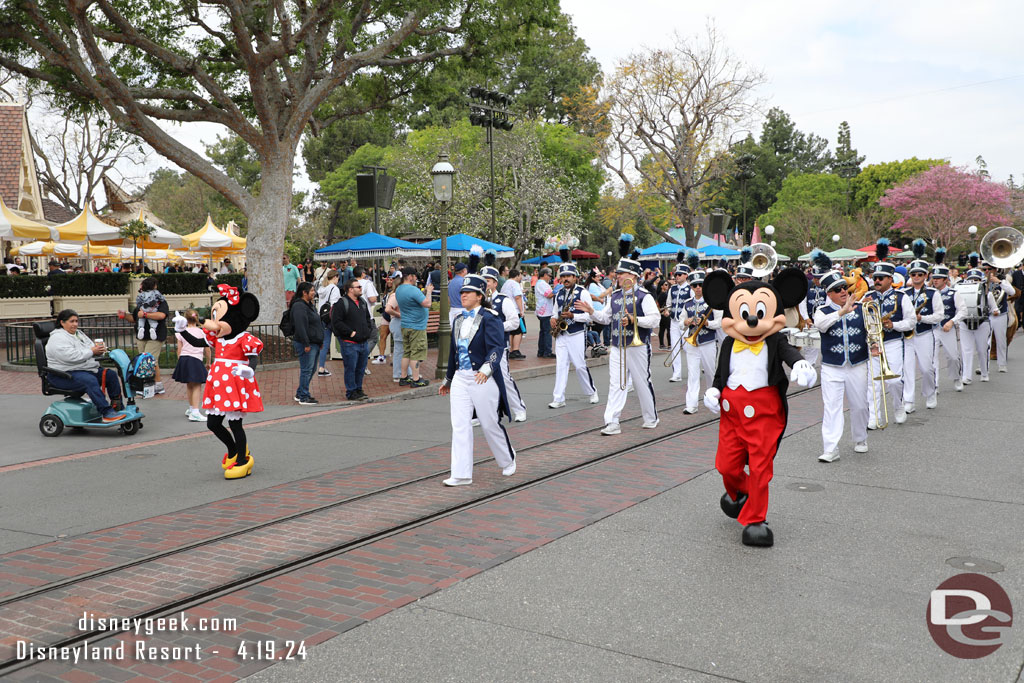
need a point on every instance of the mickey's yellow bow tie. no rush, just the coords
(739, 345)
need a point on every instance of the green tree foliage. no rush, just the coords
(871, 183)
(184, 201)
(846, 163)
(782, 149)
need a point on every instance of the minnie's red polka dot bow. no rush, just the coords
(230, 293)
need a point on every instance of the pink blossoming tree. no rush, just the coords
(941, 203)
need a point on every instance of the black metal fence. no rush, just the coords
(19, 340)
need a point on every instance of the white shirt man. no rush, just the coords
(919, 350)
(947, 332)
(896, 305)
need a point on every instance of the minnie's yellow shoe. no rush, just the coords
(239, 471)
(227, 463)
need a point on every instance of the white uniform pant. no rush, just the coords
(698, 358)
(975, 342)
(894, 357)
(675, 334)
(850, 381)
(638, 368)
(515, 399)
(948, 348)
(999, 324)
(571, 348)
(466, 396)
(919, 354)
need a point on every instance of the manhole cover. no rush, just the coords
(805, 488)
(975, 564)
(139, 456)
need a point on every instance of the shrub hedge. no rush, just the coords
(181, 283)
(23, 286)
(87, 284)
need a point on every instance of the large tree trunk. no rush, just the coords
(272, 212)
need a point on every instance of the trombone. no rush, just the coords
(623, 371)
(875, 331)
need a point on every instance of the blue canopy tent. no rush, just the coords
(715, 251)
(460, 244)
(369, 245)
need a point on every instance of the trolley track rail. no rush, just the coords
(199, 597)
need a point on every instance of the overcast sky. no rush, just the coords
(935, 79)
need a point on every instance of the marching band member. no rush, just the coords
(844, 351)
(744, 271)
(822, 265)
(998, 316)
(699, 356)
(947, 334)
(626, 300)
(570, 345)
(476, 384)
(976, 334)
(509, 314)
(919, 350)
(898, 317)
(678, 295)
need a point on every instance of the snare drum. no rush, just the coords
(800, 339)
(813, 339)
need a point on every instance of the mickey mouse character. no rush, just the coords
(231, 388)
(750, 389)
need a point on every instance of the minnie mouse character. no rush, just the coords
(750, 389)
(231, 389)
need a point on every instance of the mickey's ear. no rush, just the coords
(249, 306)
(717, 286)
(791, 284)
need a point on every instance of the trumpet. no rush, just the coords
(691, 339)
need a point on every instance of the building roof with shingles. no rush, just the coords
(12, 120)
(56, 213)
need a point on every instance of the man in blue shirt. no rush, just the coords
(454, 287)
(413, 305)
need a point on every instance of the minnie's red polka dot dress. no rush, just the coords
(228, 394)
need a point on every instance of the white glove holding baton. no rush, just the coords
(712, 400)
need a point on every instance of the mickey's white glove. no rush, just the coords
(179, 322)
(712, 400)
(803, 374)
(243, 371)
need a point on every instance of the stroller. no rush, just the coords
(594, 347)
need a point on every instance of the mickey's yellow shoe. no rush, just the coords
(239, 471)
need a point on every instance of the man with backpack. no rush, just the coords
(308, 337)
(350, 321)
(328, 295)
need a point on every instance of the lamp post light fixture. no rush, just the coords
(609, 259)
(442, 176)
(973, 230)
(769, 230)
(835, 239)
(489, 109)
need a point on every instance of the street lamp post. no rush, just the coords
(443, 177)
(490, 116)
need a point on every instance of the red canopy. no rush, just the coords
(578, 254)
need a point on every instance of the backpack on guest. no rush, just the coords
(286, 325)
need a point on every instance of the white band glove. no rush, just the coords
(711, 400)
(179, 322)
(803, 374)
(243, 371)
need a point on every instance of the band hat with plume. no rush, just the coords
(629, 261)
(918, 265)
(681, 265)
(745, 270)
(693, 259)
(696, 278)
(474, 283)
(476, 253)
(832, 281)
(746, 254)
(822, 263)
(940, 269)
(882, 252)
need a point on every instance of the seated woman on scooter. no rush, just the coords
(73, 352)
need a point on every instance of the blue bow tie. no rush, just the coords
(469, 314)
